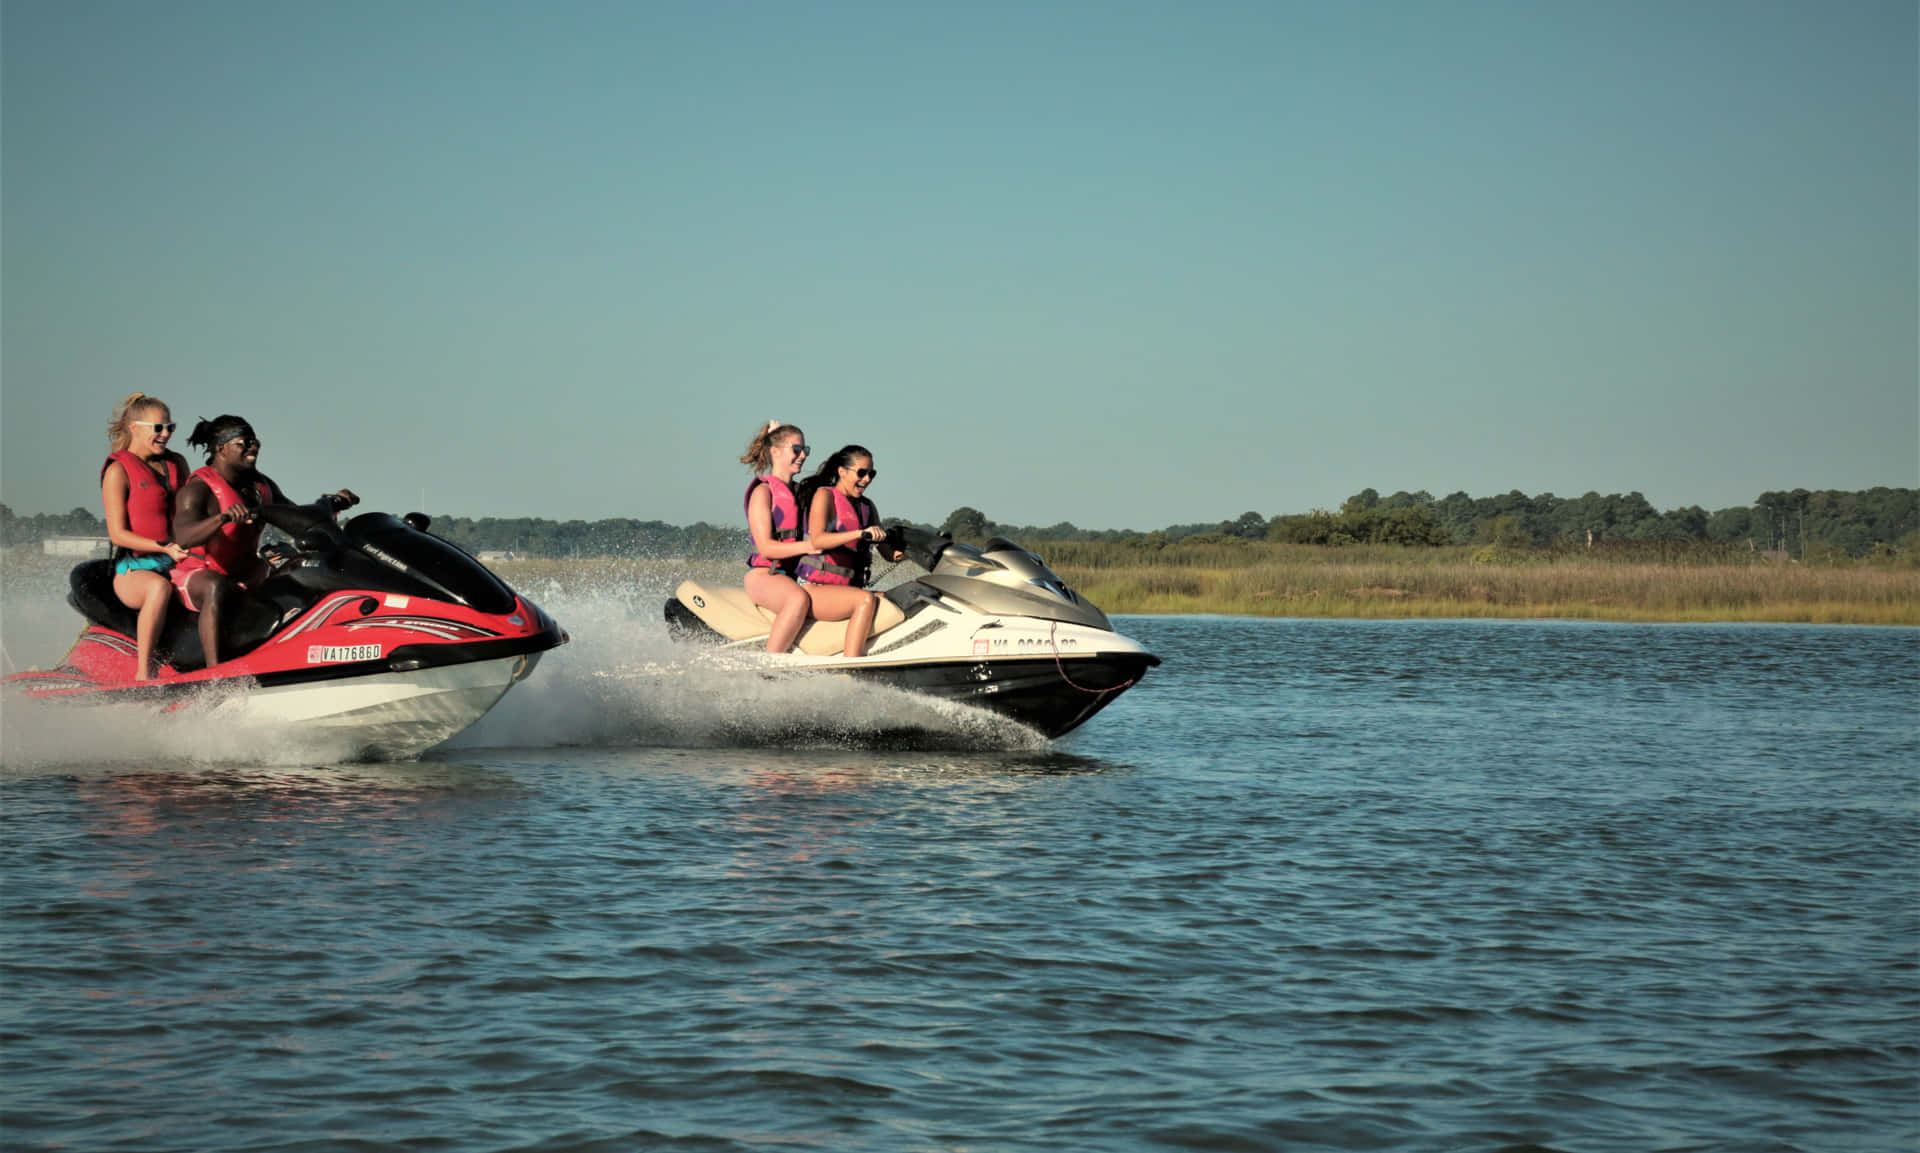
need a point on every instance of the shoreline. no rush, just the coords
(1285, 582)
(1309, 582)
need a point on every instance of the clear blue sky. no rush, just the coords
(1124, 264)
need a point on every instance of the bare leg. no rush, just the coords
(846, 603)
(860, 626)
(786, 598)
(148, 592)
(213, 593)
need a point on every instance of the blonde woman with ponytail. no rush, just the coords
(137, 486)
(775, 455)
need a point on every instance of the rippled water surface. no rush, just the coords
(1311, 885)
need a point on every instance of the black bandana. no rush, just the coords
(211, 434)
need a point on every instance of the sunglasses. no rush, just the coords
(863, 473)
(800, 449)
(244, 442)
(158, 426)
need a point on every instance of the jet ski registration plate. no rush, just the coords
(334, 654)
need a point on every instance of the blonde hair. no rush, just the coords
(759, 454)
(120, 428)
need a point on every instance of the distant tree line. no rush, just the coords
(16, 529)
(1796, 523)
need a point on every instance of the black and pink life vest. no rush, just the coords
(786, 521)
(846, 564)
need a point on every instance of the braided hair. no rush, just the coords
(209, 435)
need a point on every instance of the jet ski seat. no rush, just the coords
(732, 613)
(90, 592)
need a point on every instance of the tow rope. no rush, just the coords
(1053, 638)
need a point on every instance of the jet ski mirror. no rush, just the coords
(922, 547)
(417, 521)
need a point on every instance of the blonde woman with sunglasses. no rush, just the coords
(775, 454)
(137, 486)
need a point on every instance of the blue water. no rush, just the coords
(1311, 885)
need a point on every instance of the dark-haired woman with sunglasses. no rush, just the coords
(137, 485)
(842, 526)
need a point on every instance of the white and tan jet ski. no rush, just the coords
(991, 627)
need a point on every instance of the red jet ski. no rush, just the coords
(377, 629)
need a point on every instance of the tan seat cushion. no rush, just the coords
(729, 610)
(733, 614)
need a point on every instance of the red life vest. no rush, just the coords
(149, 499)
(786, 521)
(235, 549)
(845, 564)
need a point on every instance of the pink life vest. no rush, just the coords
(235, 549)
(845, 564)
(786, 521)
(149, 499)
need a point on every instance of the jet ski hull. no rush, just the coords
(391, 708)
(394, 715)
(1054, 697)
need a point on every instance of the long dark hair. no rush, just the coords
(826, 476)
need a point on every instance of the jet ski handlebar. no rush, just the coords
(922, 547)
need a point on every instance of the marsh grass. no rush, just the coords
(1422, 586)
(613, 572)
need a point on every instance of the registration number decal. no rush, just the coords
(334, 654)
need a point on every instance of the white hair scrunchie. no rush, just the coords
(771, 425)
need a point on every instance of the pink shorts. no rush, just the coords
(184, 570)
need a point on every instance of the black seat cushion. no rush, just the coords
(90, 592)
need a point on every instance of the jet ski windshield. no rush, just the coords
(1002, 577)
(438, 568)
